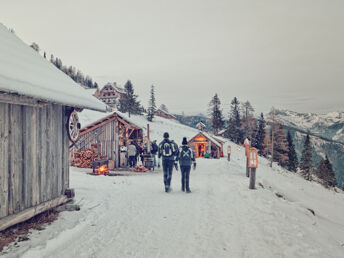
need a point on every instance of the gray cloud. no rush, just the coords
(286, 54)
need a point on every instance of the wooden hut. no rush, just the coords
(203, 145)
(109, 132)
(37, 121)
(164, 114)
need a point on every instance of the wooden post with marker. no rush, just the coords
(253, 164)
(247, 149)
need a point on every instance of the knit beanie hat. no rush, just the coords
(184, 142)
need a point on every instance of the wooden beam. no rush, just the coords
(128, 124)
(131, 132)
(24, 215)
(21, 100)
(95, 126)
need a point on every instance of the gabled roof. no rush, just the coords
(91, 118)
(209, 137)
(159, 109)
(24, 72)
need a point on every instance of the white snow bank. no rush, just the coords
(23, 71)
(132, 216)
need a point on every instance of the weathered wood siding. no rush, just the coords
(33, 156)
(103, 135)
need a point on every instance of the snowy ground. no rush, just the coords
(133, 217)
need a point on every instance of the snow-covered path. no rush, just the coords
(132, 216)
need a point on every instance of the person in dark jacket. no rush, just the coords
(154, 151)
(167, 151)
(176, 154)
(186, 157)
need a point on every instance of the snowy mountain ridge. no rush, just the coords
(330, 125)
(327, 136)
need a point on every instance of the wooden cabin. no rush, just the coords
(109, 133)
(203, 144)
(37, 121)
(164, 114)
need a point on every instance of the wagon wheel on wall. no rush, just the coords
(73, 126)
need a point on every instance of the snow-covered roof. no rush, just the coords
(222, 131)
(210, 138)
(158, 127)
(159, 109)
(89, 117)
(23, 71)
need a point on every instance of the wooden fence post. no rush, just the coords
(247, 168)
(252, 178)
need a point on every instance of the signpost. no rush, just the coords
(247, 149)
(252, 164)
(229, 150)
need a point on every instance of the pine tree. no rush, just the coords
(215, 114)
(267, 145)
(273, 122)
(325, 173)
(234, 131)
(151, 105)
(247, 109)
(306, 159)
(249, 123)
(292, 157)
(280, 143)
(258, 141)
(129, 103)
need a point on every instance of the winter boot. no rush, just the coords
(188, 191)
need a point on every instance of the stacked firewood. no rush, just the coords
(139, 168)
(84, 158)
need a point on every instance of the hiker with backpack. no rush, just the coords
(167, 151)
(186, 157)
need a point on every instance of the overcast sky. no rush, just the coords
(283, 53)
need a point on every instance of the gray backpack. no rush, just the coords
(168, 149)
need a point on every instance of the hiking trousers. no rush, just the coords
(185, 170)
(167, 166)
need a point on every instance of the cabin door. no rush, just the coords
(200, 149)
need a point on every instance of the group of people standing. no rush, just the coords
(170, 154)
(136, 151)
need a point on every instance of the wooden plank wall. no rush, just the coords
(33, 156)
(103, 134)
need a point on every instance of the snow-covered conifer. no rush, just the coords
(306, 159)
(215, 114)
(151, 105)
